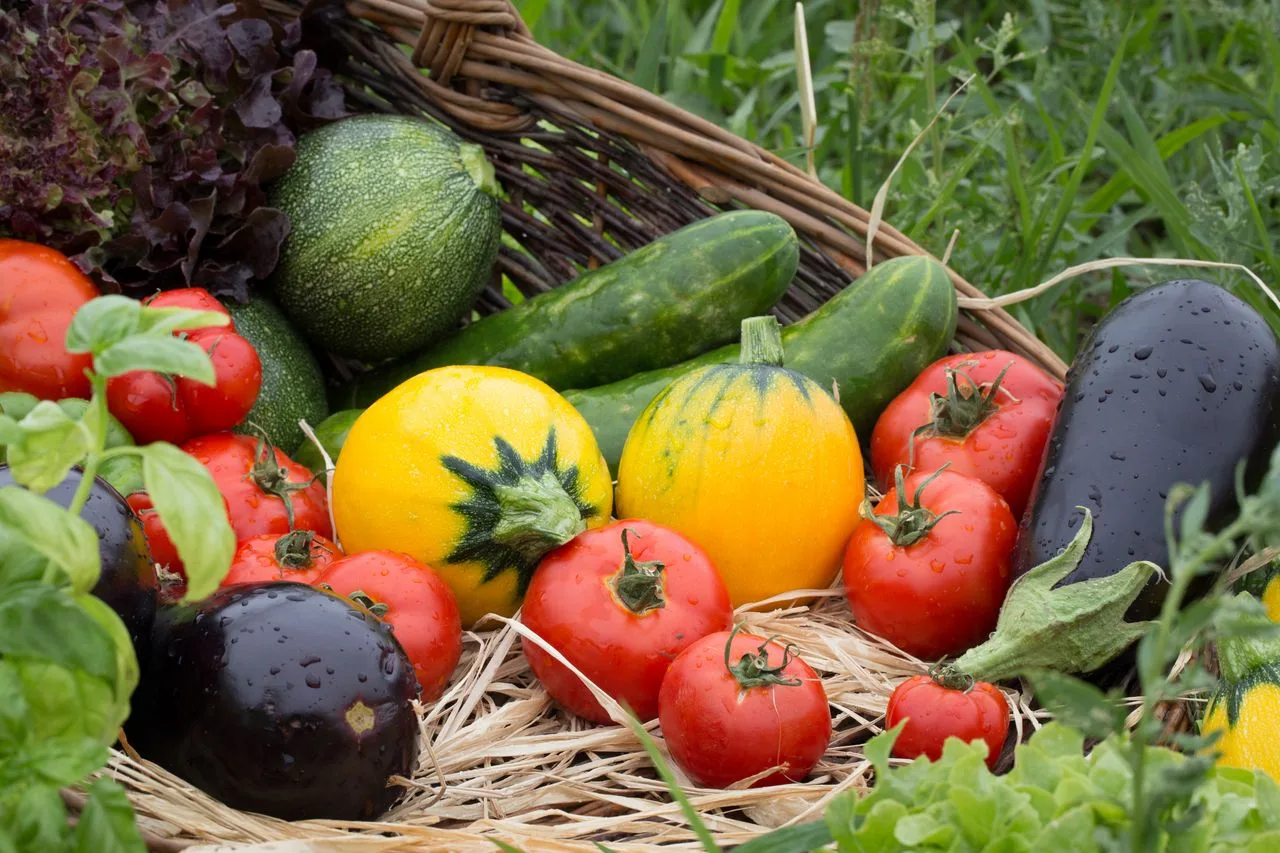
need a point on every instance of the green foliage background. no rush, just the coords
(1181, 161)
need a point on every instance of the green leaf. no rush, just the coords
(107, 823)
(57, 761)
(102, 322)
(877, 830)
(10, 432)
(1073, 628)
(66, 703)
(45, 623)
(66, 540)
(16, 404)
(39, 819)
(646, 73)
(13, 709)
(505, 847)
(168, 354)
(125, 675)
(924, 830)
(124, 473)
(194, 514)
(878, 749)
(842, 818)
(52, 442)
(1077, 703)
(162, 321)
(799, 838)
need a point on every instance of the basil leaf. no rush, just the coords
(66, 540)
(1078, 703)
(165, 321)
(16, 404)
(193, 512)
(117, 435)
(52, 442)
(162, 354)
(124, 473)
(10, 432)
(45, 622)
(40, 819)
(125, 674)
(53, 761)
(107, 823)
(102, 322)
(13, 709)
(66, 702)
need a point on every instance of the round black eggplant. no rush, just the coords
(281, 699)
(1177, 384)
(128, 583)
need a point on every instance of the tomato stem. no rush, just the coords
(638, 585)
(272, 478)
(753, 668)
(962, 409)
(293, 550)
(761, 341)
(912, 522)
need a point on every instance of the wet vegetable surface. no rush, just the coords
(128, 582)
(281, 699)
(1178, 384)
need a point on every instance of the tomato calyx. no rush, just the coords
(963, 408)
(912, 522)
(951, 678)
(273, 478)
(753, 668)
(638, 585)
(365, 600)
(293, 550)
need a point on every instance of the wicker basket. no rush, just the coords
(593, 167)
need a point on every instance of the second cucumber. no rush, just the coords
(668, 301)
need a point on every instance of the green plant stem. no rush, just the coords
(1159, 637)
(89, 471)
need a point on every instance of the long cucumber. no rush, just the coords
(870, 340)
(668, 301)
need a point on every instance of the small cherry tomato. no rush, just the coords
(987, 413)
(300, 556)
(935, 712)
(265, 490)
(411, 598)
(620, 602)
(40, 291)
(929, 571)
(158, 407)
(162, 547)
(734, 705)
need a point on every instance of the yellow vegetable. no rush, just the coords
(756, 463)
(1246, 706)
(477, 472)
(1271, 598)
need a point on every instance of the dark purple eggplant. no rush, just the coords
(1177, 384)
(279, 698)
(128, 583)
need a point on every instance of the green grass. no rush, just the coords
(1091, 128)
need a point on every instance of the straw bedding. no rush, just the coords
(516, 767)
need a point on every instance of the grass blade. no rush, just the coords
(655, 41)
(677, 793)
(800, 838)
(1110, 193)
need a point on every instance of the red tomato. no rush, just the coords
(300, 556)
(158, 407)
(935, 712)
(255, 480)
(929, 575)
(989, 414)
(40, 291)
(734, 705)
(411, 598)
(158, 541)
(621, 622)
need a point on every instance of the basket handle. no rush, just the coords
(449, 27)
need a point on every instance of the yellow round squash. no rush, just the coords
(1246, 706)
(756, 463)
(477, 472)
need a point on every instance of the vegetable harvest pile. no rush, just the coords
(208, 564)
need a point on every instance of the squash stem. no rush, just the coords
(761, 341)
(479, 168)
(638, 585)
(536, 514)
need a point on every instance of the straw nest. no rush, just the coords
(500, 760)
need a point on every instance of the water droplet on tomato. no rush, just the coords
(937, 565)
(964, 560)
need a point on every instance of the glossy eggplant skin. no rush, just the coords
(1177, 384)
(128, 582)
(279, 698)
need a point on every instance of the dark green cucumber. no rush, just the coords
(668, 301)
(871, 340)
